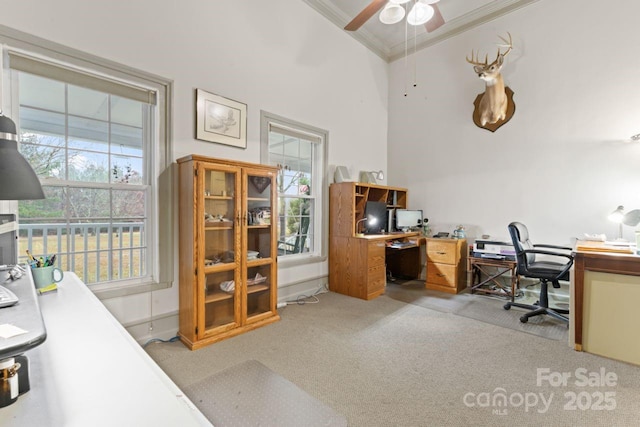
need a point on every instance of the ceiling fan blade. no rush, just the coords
(366, 13)
(436, 21)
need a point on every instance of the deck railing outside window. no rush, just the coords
(96, 251)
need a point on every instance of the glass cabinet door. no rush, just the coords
(260, 267)
(219, 267)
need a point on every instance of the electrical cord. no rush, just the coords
(302, 299)
(173, 339)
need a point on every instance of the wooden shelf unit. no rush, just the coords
(213, 252)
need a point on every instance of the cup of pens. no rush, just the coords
(45, 273)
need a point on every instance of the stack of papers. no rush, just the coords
(617, 247)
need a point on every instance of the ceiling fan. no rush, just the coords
(421, 12)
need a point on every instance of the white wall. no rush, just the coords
(279, 56)
(563, 162)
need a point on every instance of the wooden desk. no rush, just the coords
(503, 266)
(606, 292)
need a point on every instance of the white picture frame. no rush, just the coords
(220, 120)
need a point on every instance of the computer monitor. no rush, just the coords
(376, 214)
(406, 219)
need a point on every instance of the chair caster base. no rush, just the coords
(524, 319)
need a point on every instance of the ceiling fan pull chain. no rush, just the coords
(406, 77)
(415, 60)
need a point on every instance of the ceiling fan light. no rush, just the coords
(420, 13)
(391, 14)
(400, 1)
(428, 1)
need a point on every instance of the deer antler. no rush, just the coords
(508, 45)
(475, 61)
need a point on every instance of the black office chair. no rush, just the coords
(546, 271)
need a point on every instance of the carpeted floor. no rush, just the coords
(482, 307)
(386, 362)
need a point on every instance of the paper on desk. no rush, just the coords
(8, 331)
(583, 245)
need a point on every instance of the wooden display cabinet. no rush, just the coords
(228, 249)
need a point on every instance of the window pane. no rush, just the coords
(126, 112)
(87, 134)
(42, 122)
(126, 170)
(42, 93)
(126, 139)
(89, 204)
(276, 146)
(52, 206)
(291, 148)
(306, 150)
(87, 166)
(128, 204)
(88, 103)
(45, 154)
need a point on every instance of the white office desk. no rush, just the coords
(91, 372)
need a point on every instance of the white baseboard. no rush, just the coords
(165, 326)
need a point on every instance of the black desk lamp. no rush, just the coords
(18, 181)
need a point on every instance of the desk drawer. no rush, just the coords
(442, 251)
(442, 274)
(375, 254)
(377, 279)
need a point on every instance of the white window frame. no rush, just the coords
(319, 183)
(160, 274)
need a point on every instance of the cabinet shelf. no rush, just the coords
(258, 199)
(216, 296)
(258, 262)
(259, 226)
(218, 197)
(217, 228)
(219, 267)
(252, 289)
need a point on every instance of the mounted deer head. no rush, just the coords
(493, 104)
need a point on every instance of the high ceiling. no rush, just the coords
(388, 41)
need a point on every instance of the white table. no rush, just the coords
(91, 372)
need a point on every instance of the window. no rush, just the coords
(97, 144)
(299, 152)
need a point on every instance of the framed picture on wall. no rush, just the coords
(220, 119)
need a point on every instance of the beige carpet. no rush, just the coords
(483, 307)
(388, 363)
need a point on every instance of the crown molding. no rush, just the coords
(451, 28)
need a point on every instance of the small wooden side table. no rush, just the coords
(478, 266)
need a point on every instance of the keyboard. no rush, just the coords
(402, 244)
(7, 298)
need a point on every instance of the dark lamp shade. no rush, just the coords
(18, 181)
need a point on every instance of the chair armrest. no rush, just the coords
(541, 252)
(553, 247)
